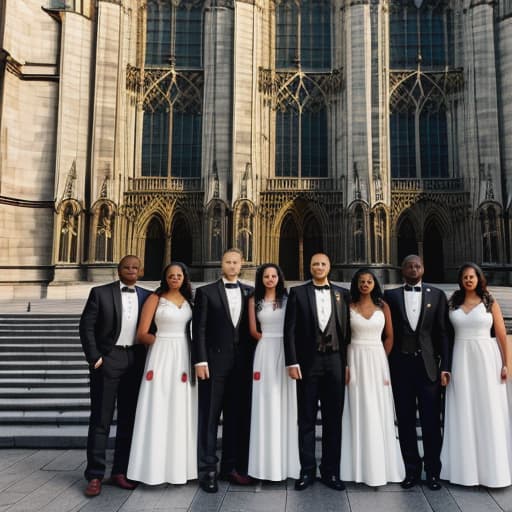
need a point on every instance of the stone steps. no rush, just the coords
(44, 381)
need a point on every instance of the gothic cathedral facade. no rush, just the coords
(173, 129)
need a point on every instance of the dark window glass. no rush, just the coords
(403, 154)
(434, 147)
(173, 33)
(287, 19)
(158, 34)
(315, 35)
(287, 143)
(155, 144)
(188, 37)
(186, 145)
(314, 144)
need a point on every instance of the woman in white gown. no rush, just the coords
(370, 452)
(273, 448)
(477, 435)
(164, 443)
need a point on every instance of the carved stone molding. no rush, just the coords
(411, 89)
(157, 89)
(299, 90)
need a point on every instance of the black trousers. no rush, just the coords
(230, 395)
(413, 390)
(117, 379)
(325, 382)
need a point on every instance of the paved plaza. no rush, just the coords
(52, 481)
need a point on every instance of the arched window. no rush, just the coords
(172, 121)
(421, 31)
(174, 33)
(303, 34)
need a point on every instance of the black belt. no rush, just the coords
(416, 353)
(323, 349)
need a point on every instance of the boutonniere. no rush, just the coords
(245, 291)
(429, 305)
(428, 289)
(338, 296)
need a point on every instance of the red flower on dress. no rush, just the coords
(184, 377)
(149, 375)
(257, 375)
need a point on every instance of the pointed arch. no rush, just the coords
(379, 234)
(154, 250)
(216, 229)
(359, 228)
(407, 236)
(489, 216)
(289, 247)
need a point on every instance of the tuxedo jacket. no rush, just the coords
(301, 325)
(432, 329)
(215, 339)
(100, 323)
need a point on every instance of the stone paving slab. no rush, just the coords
(52, 481)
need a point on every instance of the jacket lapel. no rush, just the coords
(118, 306)
(223, 297)
(312, 302)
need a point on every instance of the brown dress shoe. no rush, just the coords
(93, 488)
(121, 481)
(236, 478)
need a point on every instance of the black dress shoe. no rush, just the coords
(303, 482)
(208, 482)
(409, 481)
(333, 482)
(433, 483)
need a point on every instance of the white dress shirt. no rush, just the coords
(130, 314)
(323, 307)
(234, 296)
(412, 300)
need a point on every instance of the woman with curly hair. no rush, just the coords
(477, 446)
(273, 448)
(164, 445)
(370, 452)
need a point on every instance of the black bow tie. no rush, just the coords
(230, 286)
(409, 288)
(126, 289)
(322, 287)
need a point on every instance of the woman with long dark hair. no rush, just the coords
(477, 446)
(164, 443)
(273, 449)
(370, 452)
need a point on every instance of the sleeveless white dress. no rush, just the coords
(274, 445)
(370, 451)
(477, 434)
(164, 443)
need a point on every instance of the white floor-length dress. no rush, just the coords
(274, 446)
(164, 443)
(477, 435)
(370, 451)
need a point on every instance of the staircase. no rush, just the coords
(44, 382)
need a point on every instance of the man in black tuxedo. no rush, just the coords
(316, 334)
(107, 331)
(419, 364)
(222, 354)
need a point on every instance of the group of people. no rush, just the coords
(264, 359)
